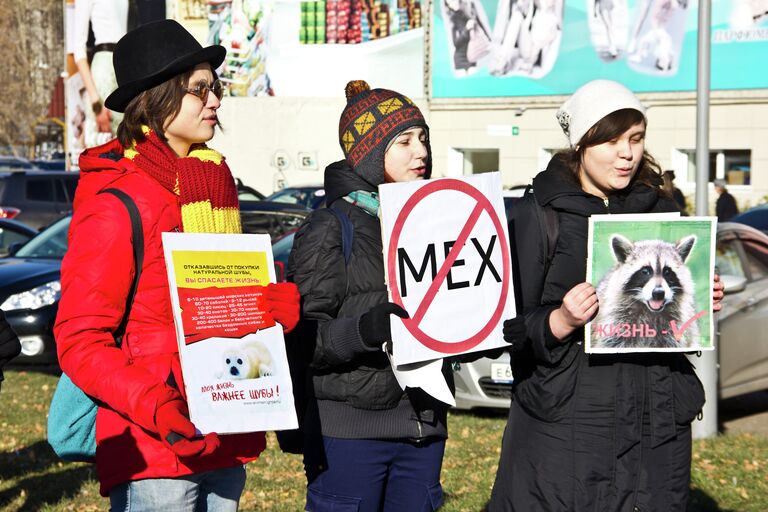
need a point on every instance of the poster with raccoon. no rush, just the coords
(653, 275)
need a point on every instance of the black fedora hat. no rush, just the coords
(153, 53)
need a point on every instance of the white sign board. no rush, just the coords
(232, 351)
(447, 261)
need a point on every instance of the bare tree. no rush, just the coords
(32, 57)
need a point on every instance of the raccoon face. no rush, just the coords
(655, 285)
(653, 270)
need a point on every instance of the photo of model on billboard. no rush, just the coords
(469, 35)
(526, 37)
(653, 281)
(608, 27)
(656, 42)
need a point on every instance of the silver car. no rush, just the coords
(742, 261)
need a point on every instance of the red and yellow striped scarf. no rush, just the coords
(202, 180)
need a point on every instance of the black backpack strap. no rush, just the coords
(347, 231)
(137, 232)
(549, 223)
(552, 223)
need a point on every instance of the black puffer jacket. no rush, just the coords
(607, 432)
(356, 391)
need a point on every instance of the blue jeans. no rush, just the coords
(210, 491)
(365, 475)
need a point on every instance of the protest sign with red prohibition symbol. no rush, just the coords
(447, 259)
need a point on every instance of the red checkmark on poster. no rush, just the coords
(678, 334)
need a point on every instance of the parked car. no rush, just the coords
(275, 219)
(29, 279)
(36, 197)
(756, 217)
(742, 261)
(281, 250)
(30, 290)
(14, 163)
(13, 234)
(50, 164)
(246, 193)
(310, 196)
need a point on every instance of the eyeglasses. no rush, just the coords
(202, 90)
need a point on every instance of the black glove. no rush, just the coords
(515, 332)
(374, 325)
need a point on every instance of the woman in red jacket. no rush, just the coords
(148, 456)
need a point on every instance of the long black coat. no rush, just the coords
(608, 432)
(357, 394)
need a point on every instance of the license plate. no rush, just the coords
(501, 372)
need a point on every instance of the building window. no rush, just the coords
(477, 161)
(731, 165)
(463, 162)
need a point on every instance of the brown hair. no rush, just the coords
(153, 108)
(607, 129)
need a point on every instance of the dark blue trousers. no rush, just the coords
(364, 475)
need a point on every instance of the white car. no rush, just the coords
(487, 382)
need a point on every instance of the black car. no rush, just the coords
(14, 163)
(756, 217)
(36, 197)
(13, 234)
(246, 193)
(53, 164)
(30, 291)
(310, 196)
(29, 279)
(275, 219)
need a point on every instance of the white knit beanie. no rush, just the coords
(590, 103)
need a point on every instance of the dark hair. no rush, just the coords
(607, 129)
(153, 108)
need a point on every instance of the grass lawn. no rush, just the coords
(730, 473)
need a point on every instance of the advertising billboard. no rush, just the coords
(497, 48)
(313, 48)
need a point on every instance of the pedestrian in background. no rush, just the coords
(381, 446)
(108, 20)
(669, 187)
(608, 432)
(725, 207)
(149, 456)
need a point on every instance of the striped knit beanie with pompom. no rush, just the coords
(371, 119)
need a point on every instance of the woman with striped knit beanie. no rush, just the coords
(377, 447)
(149, 456)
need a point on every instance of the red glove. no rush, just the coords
(283, 303)
(177, 432)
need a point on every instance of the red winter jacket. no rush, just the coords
(131, 381)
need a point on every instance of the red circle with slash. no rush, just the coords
(483, 205)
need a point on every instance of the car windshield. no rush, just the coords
(51, 243)
(308, 197)
(245, 195)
